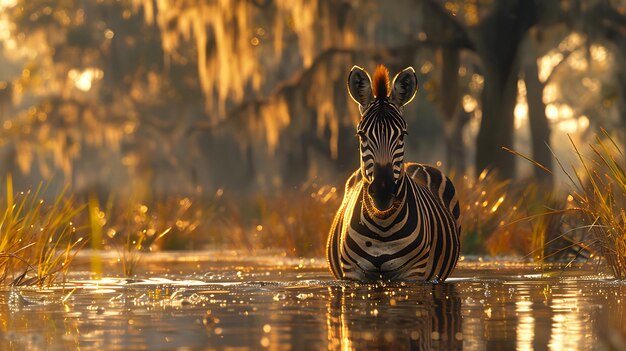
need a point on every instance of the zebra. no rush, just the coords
(439, 325)
(397, 220)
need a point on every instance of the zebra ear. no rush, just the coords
(404, 87)
(360, 87)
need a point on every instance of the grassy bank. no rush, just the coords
(38, 239)
(598, 198)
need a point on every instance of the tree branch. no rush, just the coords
(305, 74)
(460, 33)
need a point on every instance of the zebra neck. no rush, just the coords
(377, 215)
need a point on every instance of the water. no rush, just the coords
(225, 302)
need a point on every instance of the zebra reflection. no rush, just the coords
(376, 317)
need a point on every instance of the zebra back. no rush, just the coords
(438, 183)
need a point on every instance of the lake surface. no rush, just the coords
(212, 301)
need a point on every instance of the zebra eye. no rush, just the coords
(360, 134)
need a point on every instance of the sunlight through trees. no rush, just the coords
(251, 94)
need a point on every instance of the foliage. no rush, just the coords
(37, 239)
(133, 231)
(298, 222)
(134, 227)
(599, 198)
(164, 91)
(502, 217)
(488, 206)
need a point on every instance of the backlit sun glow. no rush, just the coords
(83, 80)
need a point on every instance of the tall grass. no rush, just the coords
(37, 240)
(195, 223)
(131, 232)
(598, 196)
(490, 212)
(297, 222)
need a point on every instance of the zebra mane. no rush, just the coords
(381, 82)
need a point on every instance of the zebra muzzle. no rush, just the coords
(382, 189)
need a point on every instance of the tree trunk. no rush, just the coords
(496, 127)
(501, 35)
(450, 107)
(539, 127)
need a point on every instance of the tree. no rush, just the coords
(251, 94)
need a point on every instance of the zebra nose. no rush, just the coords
(382, 188)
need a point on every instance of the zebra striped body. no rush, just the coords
(419, 240)
(397, 220)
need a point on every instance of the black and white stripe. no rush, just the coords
(381, 138)
(417, 238)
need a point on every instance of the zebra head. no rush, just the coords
(382, 129)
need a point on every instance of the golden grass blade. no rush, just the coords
(9, 191)
(96, 234)
(608, 136)
(527, 158)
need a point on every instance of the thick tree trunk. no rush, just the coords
(501, 35)
(496, 127)
(539, 127)
(450, 108)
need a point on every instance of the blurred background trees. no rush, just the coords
(161, 97)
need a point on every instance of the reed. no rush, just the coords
(297, 222)
(198, 222)
(490, 213)
(598, 196)
(37, 240)
(131, 230)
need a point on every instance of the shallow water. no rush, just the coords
(225, 302)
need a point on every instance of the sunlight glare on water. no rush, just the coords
(279, 303)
